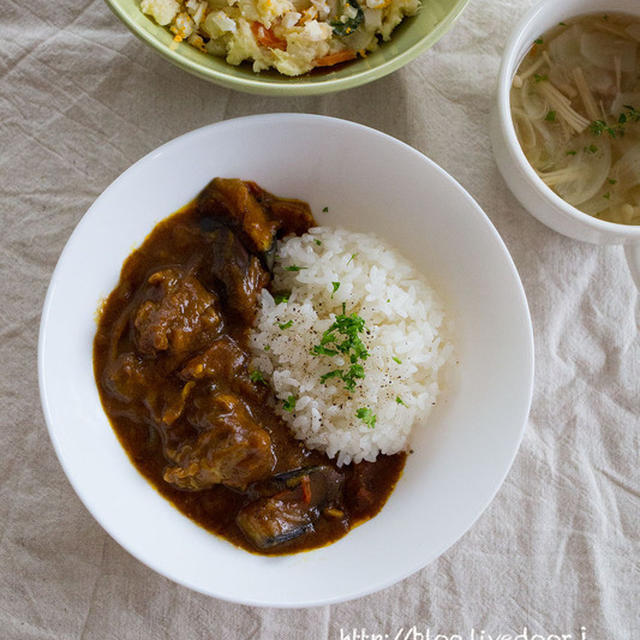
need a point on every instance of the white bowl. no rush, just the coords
(370, 182)
(524, 182)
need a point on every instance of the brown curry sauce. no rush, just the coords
(155, 331)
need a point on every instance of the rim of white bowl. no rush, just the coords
(514, 51)
(381, 584)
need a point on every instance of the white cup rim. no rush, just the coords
(508, 67)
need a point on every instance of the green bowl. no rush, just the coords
(413, 36)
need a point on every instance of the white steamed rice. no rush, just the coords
(404, 321)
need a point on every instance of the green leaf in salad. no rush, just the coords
(346, 22)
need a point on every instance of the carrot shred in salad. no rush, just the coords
(335, 58)
(267, 38)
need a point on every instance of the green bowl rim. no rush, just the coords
(266, 87)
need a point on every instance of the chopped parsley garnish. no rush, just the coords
(294, 267)
(256, 376)
(285, 325)
(336, 286)
(342, 337)
(571, 153)
(540, 78)
(267, 347)
(598, 127)
(367, 416)
(396, 359)
(562, 24)
(540, 40)
(591, 148)
(611, 181)
(290, 404)
(325, 209)
(319, 350)
(551, 116)
(353, 255)
(332, 374)
(318, 242)
(399, 400)
(607, 196)
(281, 297)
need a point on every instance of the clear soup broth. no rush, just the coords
(575, 103)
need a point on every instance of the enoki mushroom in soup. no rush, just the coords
(575, 103)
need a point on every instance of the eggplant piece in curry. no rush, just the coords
(172, 365)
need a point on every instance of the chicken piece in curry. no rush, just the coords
(172, 365)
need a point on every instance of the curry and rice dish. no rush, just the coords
(292, 36)
(575, 104)
(263, 374)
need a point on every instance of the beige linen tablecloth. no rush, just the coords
(80, 100)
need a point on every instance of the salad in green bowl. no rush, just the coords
(289, 47)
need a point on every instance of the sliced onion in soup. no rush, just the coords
(626, 171)
(585, 172)
(535, 106)
(633, 30)
(564, 49)
(524, 129)
(624, 100)
(601, 50)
